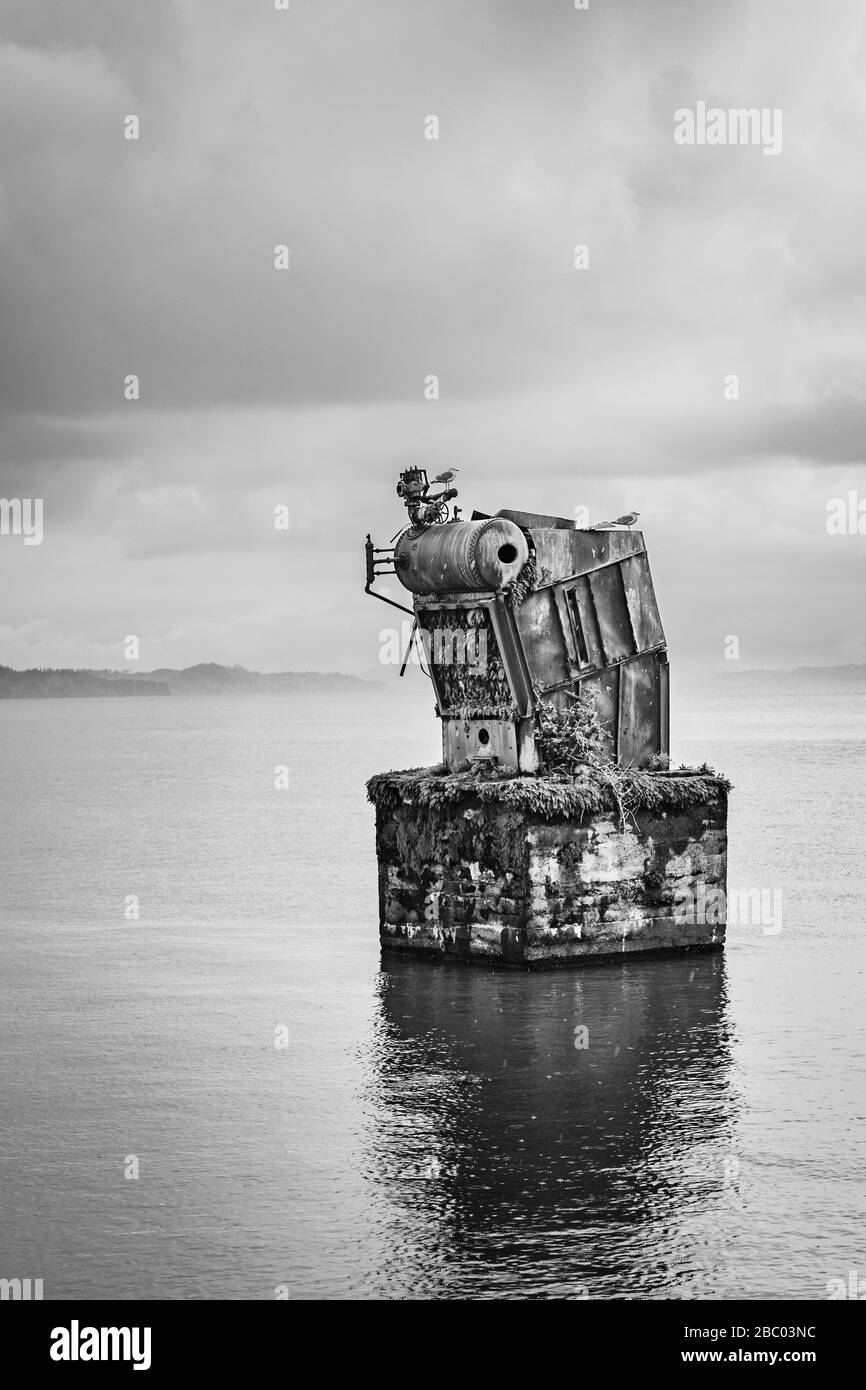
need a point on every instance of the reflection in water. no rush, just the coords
(513, 1162)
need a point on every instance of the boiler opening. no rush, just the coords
(483, 736)
(508, 553)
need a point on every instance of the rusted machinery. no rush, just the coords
(518, 610)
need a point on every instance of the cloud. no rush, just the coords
(559, 386)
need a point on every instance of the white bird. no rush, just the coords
(446, 476)
(628, 520)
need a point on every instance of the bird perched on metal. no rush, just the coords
(628, 520)
(446, 476)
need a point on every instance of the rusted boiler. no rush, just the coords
(518, 610)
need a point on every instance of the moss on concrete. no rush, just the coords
(551, 797)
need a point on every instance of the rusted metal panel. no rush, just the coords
(604, 687)
(513, 655)
(543, 642)
(641, 600)
(569, 633)
(612, 612)
(465, 741)
(530, 519)
(562, 554)
(664, 707)
(584, 619)
(469, 741)
(638, 717)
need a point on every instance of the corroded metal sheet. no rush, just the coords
(541, 633)
(562, 554)
(465, 741)
(584, 620)
(530, 519)
(604, 685)
(468, 741)
(641, 600)
(632, 703)
(614, 622)
(637, 734)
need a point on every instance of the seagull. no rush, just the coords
(447, 476)
(628, 520)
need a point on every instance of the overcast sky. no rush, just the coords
(602, 387)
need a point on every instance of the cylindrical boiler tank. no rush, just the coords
(461, 556)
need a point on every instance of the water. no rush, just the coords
(428, 1131)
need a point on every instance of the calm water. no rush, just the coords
(428, 1131)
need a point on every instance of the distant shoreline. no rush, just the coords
(209, 678)
(205, 679)
(852, 672)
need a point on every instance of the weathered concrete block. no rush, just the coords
(535, 871)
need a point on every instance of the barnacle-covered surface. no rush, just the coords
(490, 712)
(464, 655)
(529, 579)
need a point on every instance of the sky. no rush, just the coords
(607, 386)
